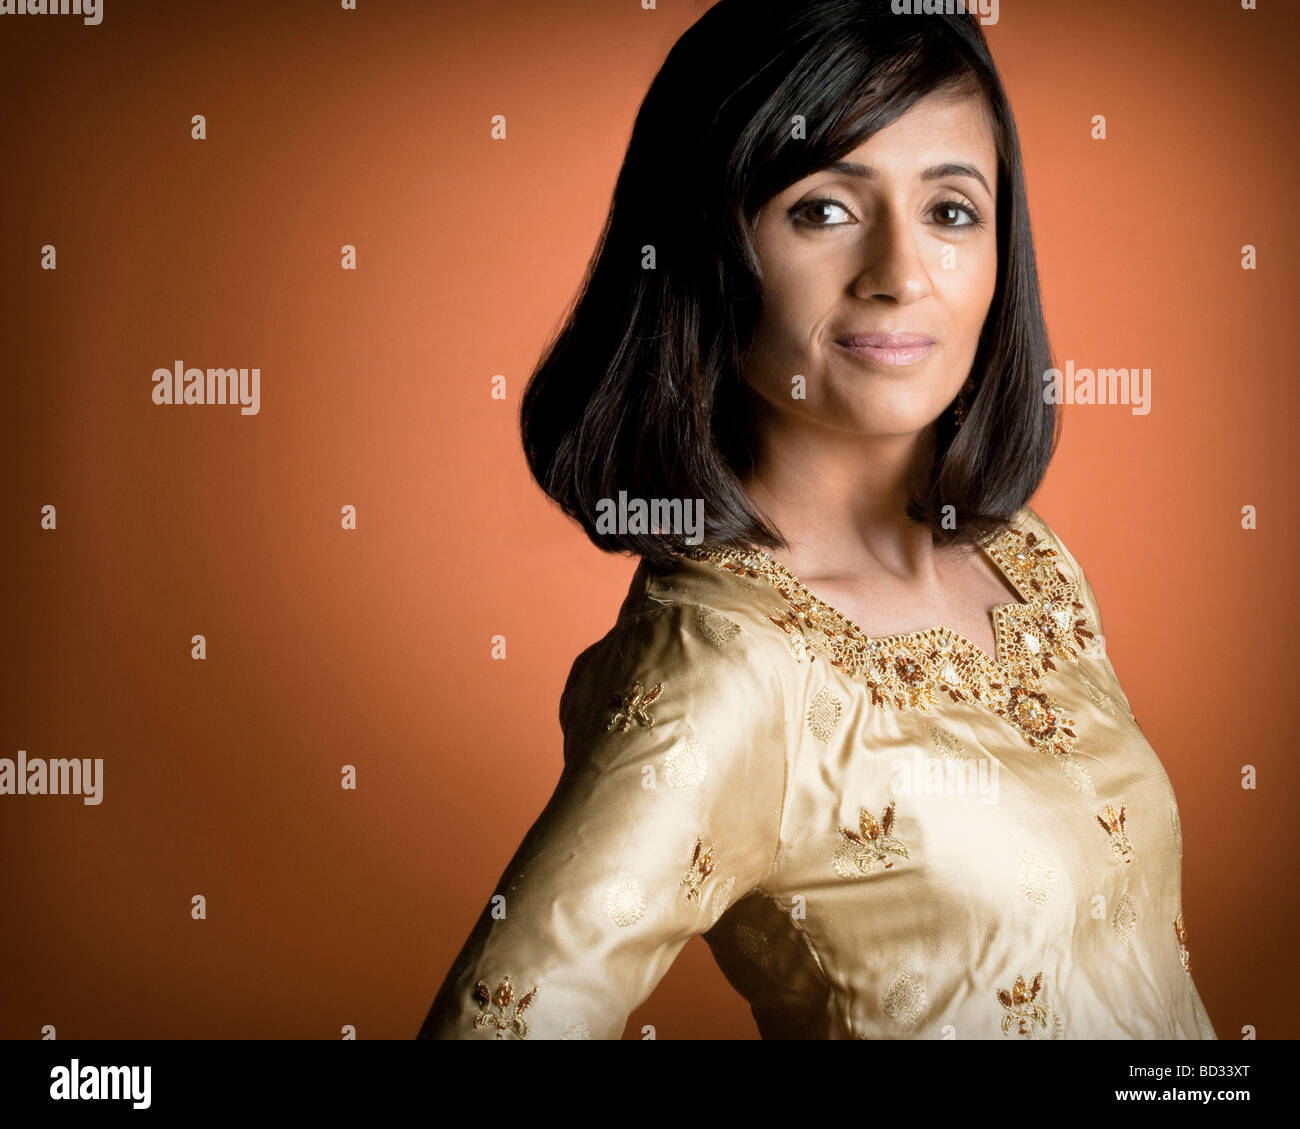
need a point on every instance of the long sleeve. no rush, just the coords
(668, 809)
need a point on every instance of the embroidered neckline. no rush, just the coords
(1010, 564)
(908, 669)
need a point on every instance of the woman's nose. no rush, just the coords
(892, 266)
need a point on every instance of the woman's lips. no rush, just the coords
(888, 348)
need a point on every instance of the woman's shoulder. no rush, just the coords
(720, 592)
(1043, 540)
(685, 630)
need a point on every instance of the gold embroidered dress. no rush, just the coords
(900, 837)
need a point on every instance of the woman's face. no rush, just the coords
(899, 252)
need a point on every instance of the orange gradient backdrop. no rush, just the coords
(327, 647)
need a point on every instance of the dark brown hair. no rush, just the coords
(641, 389)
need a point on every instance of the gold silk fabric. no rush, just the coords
(890, 838)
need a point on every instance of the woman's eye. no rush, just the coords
(818, 209)
(954, 208)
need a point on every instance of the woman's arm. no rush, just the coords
(668, 809)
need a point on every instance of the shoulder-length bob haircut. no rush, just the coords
(641, 389)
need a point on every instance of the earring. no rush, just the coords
(959, 408)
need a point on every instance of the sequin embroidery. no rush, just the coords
(496, 1010)
(867, 850)
(794, 636)
(907, 670)
(631, 706)
(701, 867)
(1112, 823)
(1180, 935)
(1028, 1014)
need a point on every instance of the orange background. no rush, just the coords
(328, 907)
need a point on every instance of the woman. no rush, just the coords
(860, 731)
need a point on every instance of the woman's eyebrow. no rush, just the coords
(934, 172)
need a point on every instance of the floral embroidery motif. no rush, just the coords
(1124, 920)
(717, 628)
(721, 900)
(789, 623)
(908, 670)
(631, 706)
(905, 1000)
(625, 899)
(1036, 877)
(951, 748)
(701, 867)
(867, 850)
(1113, 825)
(755, 945)
(578, 1031)
(686, 763)
(1099, 696)
(493, 1008)
(1032, 711)
(824, 713)
(1026, 1012)
(1180, 934)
